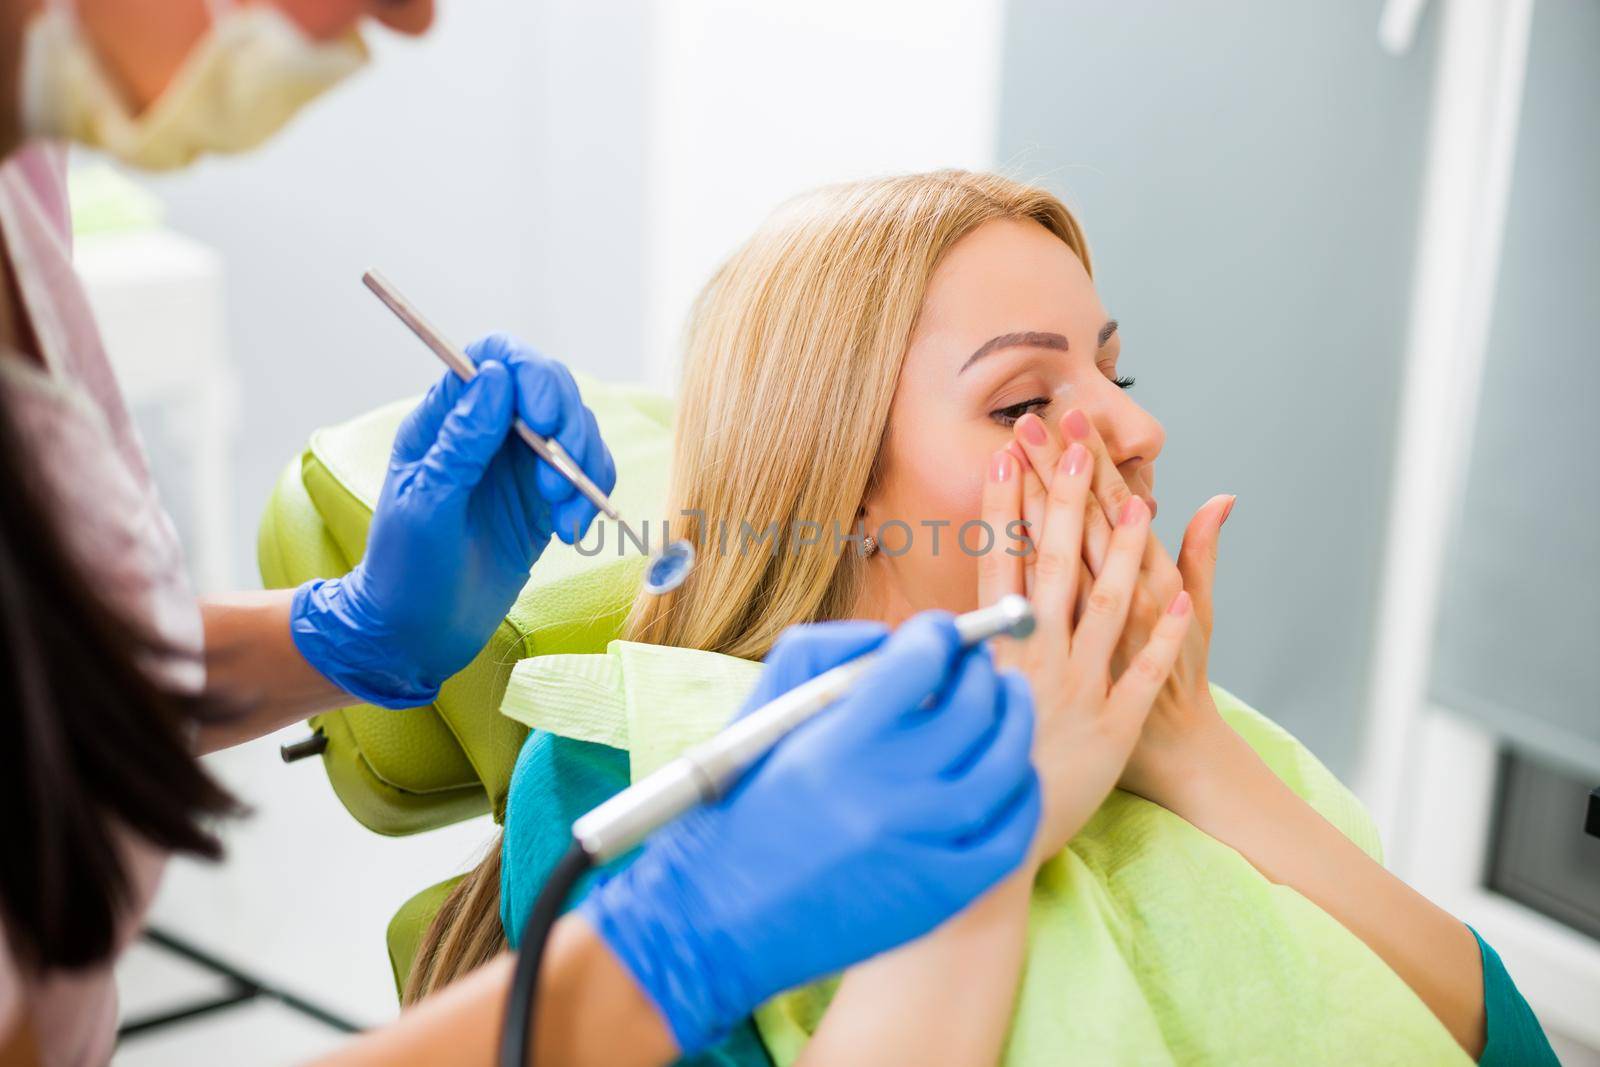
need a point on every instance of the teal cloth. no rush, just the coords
(557, 779)
(1514, 1037)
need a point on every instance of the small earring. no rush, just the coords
(869, 545)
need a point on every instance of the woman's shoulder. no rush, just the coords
(1301, 771)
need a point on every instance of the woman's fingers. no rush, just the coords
(1085, 587)
(1042, 452)
(1197, 555)
(1042, 447)
(1111, 490)
(1034, 497)
(1107, 490)
(1135, 691)
(1055, 573)
(1106, 611)
(999, 570)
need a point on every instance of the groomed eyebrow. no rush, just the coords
(1106, 331)
(1027, 339)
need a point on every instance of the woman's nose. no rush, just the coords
(1134, 438)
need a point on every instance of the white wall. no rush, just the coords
(490, 169)
(752, 103)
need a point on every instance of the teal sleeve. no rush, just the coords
(557, 779)
(1514, 1037)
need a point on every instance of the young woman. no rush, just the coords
(913, 354)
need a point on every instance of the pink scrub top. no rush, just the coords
(89, 453)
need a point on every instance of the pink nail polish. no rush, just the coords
(1180, 603)
(1017, 451)
(1000, 466)
(1130, 510)
(1077, 458)
(1227, 510)
(1076, 423)
(1031, 427)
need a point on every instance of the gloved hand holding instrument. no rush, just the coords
(904, 790)
(464, 512)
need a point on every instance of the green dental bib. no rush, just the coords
(1149, 941)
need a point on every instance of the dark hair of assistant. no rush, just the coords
(90, 740)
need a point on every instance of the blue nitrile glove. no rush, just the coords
(465, 510)
(865, 828)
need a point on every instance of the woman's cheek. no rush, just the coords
(952, 487)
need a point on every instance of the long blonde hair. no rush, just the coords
(791, 360)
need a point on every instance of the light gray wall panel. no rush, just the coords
(1248, 173)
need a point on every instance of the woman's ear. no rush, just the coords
(865, 527)
(865, 519)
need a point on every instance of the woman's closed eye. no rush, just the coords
(1009, 414)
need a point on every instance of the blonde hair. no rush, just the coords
(792, 356)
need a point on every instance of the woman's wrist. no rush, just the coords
(1184, 772)
(1000, 904)
(1038, 855)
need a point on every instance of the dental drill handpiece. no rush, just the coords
(708, 770)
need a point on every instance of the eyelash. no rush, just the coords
(1009, 414)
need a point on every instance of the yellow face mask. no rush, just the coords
(246, 78)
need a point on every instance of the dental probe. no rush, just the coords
(549, 448)
(705, 772)
(669, 567)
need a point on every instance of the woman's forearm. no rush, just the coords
(1226, 790)
(945, 998)
(590, 1012)
(254, 669)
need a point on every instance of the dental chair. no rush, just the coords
(407, 772)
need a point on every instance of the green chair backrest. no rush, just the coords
(401, 772)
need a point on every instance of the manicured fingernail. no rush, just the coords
(1180, 603)
(1022, 456)
(1031, 427)
(1000, 466)
(1130, 510)
(1227, 510)
(1076, 423)
(1076, 458)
